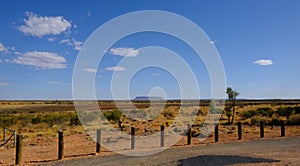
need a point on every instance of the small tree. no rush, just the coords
(232, 94)
(228, 113)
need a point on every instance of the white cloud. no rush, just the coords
(4, 84)
(77, 44)
(124, 51)
(67, 41)
(264, 62)
(56, 83)
(39, 26)
(2, 48)
(90, 70)
(41, 60)
(51, 39)
(115, 68)
(0, 61)
(213, 42)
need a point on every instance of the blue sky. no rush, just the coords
(258, 41)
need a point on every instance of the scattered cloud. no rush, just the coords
(156, 74)
(124, 51)
(115, 68)
(89, 13)
(4, 84)
(90, 70)
(6, 50)
(40, 26)
(51, 39)
(56, 83)
(17, 53)
(213, 42)
(99, 76)
(67, 41)
(264, 62)
(2, 48)
(41, 60)
(76, 44)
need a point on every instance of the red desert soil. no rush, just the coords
(41, 150)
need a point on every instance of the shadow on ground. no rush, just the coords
(220, 160)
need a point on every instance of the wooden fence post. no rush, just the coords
(60, 145)
(189, 134)
(239, 130)
(132, 137)
(98, 141)
(217, 133)
(18, 150)
(162, 136)
(262, 132)
(282, 128)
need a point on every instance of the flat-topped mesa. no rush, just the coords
(147, 98)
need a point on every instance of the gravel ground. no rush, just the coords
(280, 151)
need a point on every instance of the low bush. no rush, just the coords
(294, 119)
(74, 120)
(285, 111)
(256, 120)
(248, 114)
(114, 115)
(297, 109)
(265, 111)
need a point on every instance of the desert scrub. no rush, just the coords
(257, 119)
(286, 111)
(294, 119)
(265, 111)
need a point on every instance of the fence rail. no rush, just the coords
(5, 141)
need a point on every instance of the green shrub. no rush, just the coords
(36, 120)
(285, 111)
(297, 109)
(54, 119)
(114, 115)
(7, 121)
(256, 120)
(74, 120)
(249, 114)
(265, 111)
(294, 119)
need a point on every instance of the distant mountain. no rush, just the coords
(147, 98)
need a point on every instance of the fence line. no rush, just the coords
(132, 133)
